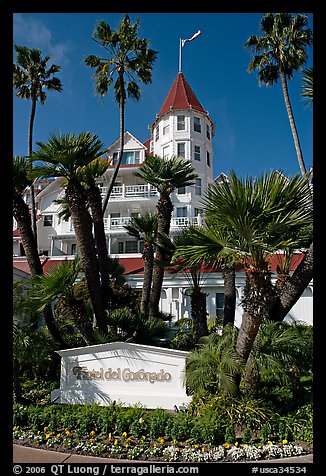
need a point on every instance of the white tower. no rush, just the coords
(183, 128)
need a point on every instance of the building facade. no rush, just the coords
(181, 128)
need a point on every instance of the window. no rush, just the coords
(181, 191)
(197, 152)
(166, 128)
(220, 305)
(128, 157)
(197, 126)
(157, 133)
(181, 122)
(166, 152)
(208, 159)
(181, 149)
(199, 211)
(131, 247)
(73, 249)
(48, 220)
(208, 132)
(197, 186)
(181, 212)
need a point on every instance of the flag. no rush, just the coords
(190, 39)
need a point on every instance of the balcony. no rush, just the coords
(118, 223)
(126, 192)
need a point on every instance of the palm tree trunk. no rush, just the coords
(293, 287)
(95, 201)
(259, 297)
(292, 123)
(30, 150)
(84, 236)
(22, 216)
(198, 312)
(148, 256)
(229, 295)
(164, 213)
(122, 131)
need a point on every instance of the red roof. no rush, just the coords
(181, 96)
(136, 265)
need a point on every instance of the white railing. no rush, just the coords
(177, 222)
(115, 223)
(130, 191)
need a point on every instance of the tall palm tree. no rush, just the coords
(247, 221)
(144, 227)
(278, 54)
(89, 173)
(130, 57)
(64, 155)
(165, 175)
(31, 77)
(22, 178)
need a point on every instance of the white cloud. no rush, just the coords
(31, 32)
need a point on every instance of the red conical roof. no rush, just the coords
(181, 96)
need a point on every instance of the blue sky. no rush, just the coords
(253, 134)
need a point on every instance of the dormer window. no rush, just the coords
(197, 126)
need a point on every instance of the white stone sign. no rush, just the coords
(126, 373)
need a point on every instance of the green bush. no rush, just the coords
(216, 425)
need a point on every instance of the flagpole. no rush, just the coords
(180, 56)
(182, 42)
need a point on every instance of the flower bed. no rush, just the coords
(124, 446)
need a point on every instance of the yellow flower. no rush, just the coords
(285, 442)
(58, 435)
(126, 445)
(203, 450)
(269, 442)
(110, 436)
(226, 445)
(68, 433)
(48, 435)
(141, 421)
(196, 446)
(236, 443)
(124, 434)
(116, 442)
(128, 439)
(245, 446)
(45, 428)
(160, 439)
(92, 433)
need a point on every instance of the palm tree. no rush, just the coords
(65, 155)
(59, 283)
(212, 367)
(247, 221)
(22, 178)
(195, 275)
(144, 228)
(165, 175)
(89, 173)
(129, 56)
(30, 78)
(280, 350)
(278, 54)
(308, 86)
